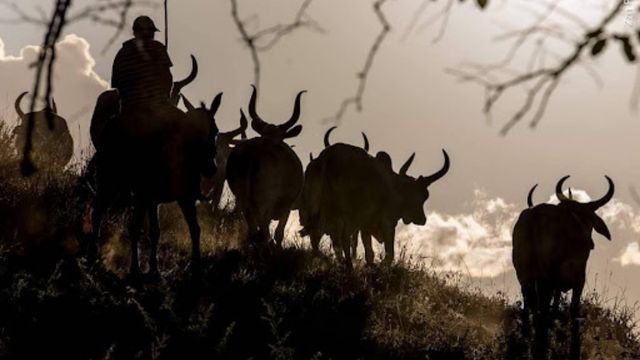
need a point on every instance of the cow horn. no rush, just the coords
(239, 131)
(530, 196)
(405, 167)
(296, 112)
(605, 199)
(179, 85)
(442, 172)
(327, 135)
(310, 156)
(366, 142)
(188, 104)
(570, 194)
(215, 104)
(256, 121)
(559, 193)
(54, 106)
(17, 105)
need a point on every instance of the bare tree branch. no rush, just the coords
(363, 75)
(47, 57)
(271, 35)
(544, 79)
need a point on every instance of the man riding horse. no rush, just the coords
(147, 150)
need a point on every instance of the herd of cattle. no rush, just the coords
(344, 192)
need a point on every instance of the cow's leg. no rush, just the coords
(279, 234)
(252, 227)
(354, 244)
(154, 235)
(368, 249)
(336, 243)
(315, 241)
(264, 234)
(135, 228)
(345, 240)
(545, 293)
(388, 237)
(216, 192)
(576, 337)
(530, 305)
(188, 208)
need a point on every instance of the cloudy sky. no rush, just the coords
(411, 104)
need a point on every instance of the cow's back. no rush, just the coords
(264, 175)
(355, 186)
(544, 248)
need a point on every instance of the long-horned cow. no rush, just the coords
(551, 246)
(52, 147)
(347, 190)
(225, 142)
(265, 174)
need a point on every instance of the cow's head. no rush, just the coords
(413, 192)
(52, 144)
(226, 139)
(280, 132)
(584, 214)
(49, 113)
(205, 119)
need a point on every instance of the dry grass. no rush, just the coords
(245, 303)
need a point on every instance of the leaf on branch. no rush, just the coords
(482, 3)
(598, 47)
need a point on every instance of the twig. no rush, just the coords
(545, 79)
(356, 100)
(274, 34)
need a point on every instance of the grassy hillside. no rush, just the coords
(245, 303)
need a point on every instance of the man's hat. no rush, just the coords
(144, 23)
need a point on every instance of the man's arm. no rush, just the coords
(116, 77)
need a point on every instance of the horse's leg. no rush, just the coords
(154, 236)
(368, 249)
(188, 208)
(99, 208)
(134, 234)
(556, 301)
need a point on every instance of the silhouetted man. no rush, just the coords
(142, 68)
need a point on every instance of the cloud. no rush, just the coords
(477, 243)
(630, 255)
(76, 84)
